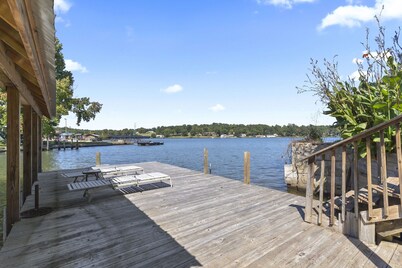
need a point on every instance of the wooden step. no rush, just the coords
(392, 185)
(378, 215)
(389, 228)
(350, 197)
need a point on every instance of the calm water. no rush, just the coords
(226, 156)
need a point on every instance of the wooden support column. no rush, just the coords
(27, 151)
(35, 147)
(40, 143)
(13, 157)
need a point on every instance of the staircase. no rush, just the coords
(376, 213)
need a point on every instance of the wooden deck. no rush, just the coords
(204, 220)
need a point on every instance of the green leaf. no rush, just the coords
(380, 105)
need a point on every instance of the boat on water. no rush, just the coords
(149, 143)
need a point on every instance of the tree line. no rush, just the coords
(217, 129)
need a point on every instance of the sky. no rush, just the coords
(173, 62)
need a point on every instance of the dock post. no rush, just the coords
(247, 167)
(98, 158)
(205, 161)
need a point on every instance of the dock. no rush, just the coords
(204, 220)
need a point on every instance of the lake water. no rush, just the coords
(268, 155)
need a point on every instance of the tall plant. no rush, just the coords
(373, 99)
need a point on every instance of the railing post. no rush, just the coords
(343, 183)
(205, 161)
(309, 191)
(399, 158)
(247, 167)
(384, 173)
(322, 177)
(98, 158)
(356, 177)
(333, 168)
(369, 178)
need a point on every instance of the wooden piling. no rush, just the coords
(13, 159)
(98, 158)
(27, 152)
(247, 167)
(205, 161)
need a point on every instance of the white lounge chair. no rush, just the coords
(111, 171)
(119, 182)
(75, 175)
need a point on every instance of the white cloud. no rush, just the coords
(353, 15)
(73, 66)
(217, 108)
(173, 89)
(356, 75)
(283, 3)
(62, 6)
(357, 61)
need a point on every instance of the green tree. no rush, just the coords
(83, 108)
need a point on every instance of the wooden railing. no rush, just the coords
(384, 213)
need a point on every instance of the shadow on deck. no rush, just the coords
(205, 220)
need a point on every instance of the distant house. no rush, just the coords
(66, 136)
(226, 136)
(160, 136)
(91, 137)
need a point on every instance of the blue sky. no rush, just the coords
(173, 62)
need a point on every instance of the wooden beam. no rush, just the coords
(27, 151)
(13, 157)
(35, 147)
(14, 44)
(26, 27)
(40, 143)
(8, 68)
(5, 14)
(361, 135)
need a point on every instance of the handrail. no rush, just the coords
(357, 137)
(387, 211)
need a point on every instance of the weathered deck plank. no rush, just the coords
(204, 220)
